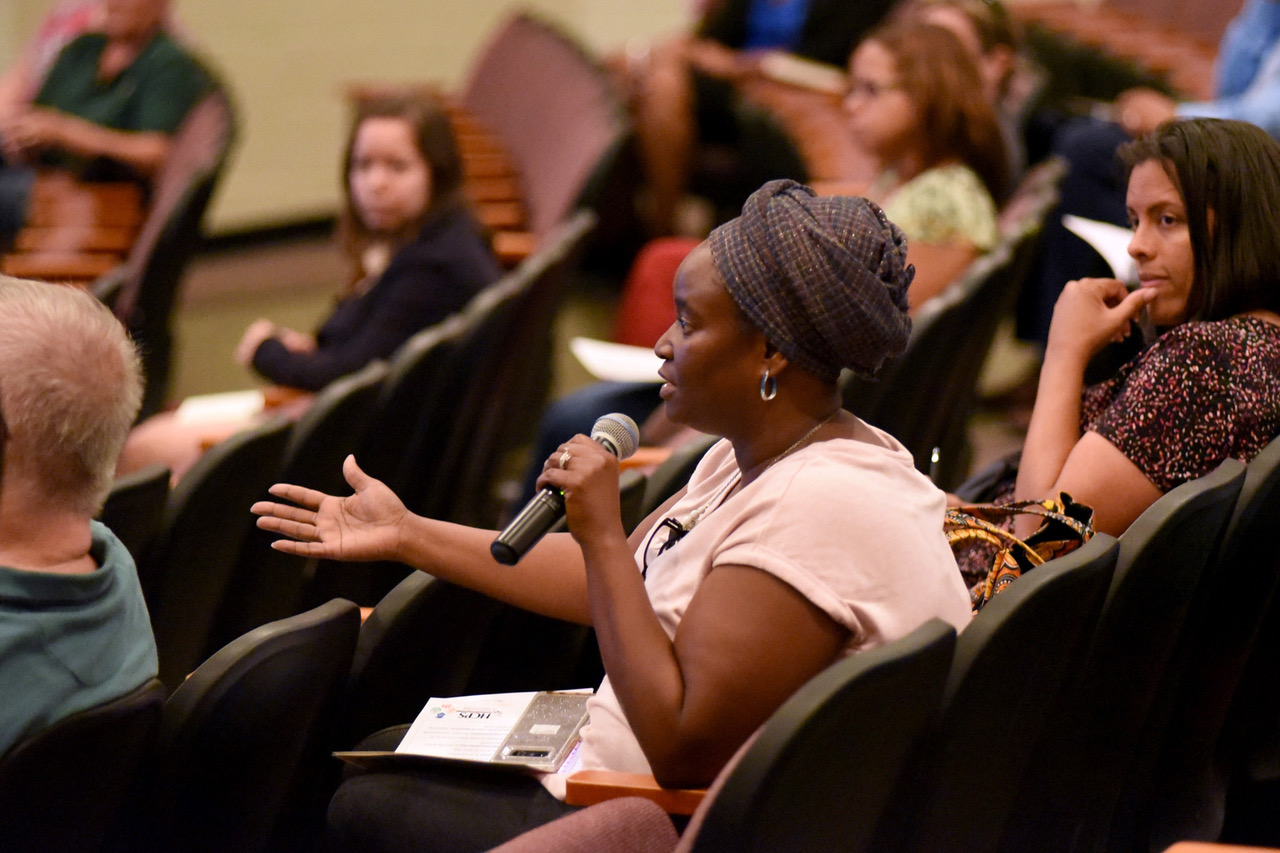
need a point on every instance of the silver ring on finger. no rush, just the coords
(564, 459)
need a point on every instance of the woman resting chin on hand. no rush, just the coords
(1208, 387)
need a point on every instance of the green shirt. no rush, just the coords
(153, 94)
(71, 641)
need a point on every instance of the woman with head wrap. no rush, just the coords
(803, 536)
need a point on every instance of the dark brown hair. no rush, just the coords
(1228, 174)
(941, 78)
(433, 137)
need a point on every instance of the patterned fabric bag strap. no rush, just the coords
(963, 528)
(1064, 526)
(1053, 509)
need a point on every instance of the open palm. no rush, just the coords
(362, 526)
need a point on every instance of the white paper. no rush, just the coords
(805, 73)
(213, 408)
(616, 362)
(1111, 241)
(467, 727)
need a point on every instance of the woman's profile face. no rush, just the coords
(390, 181)
(882, 117)
(711, 355)
(1161, 242)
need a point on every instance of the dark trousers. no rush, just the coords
(450, 808)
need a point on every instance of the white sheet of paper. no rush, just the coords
(211, 408)
(1111, 241)
(468, 727)
(616, 362)
(805, 73)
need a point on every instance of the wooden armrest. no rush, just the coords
(59, 200)
(59, 266)
(1214, 847)
(486, 164)
(276, 396)
(493, 189)
(512, 247)
(75, 238)
(588, 787)
(501, 215)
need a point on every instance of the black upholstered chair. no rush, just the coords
(1177, 789)
(554, 110)
(421, 640)
(134, 509)
(189, 564)
(512, 377)
(1011, 663)
(244, 737)
(818, 775)
(65, 788)
(267, 584)
(144, 290)
(1067, 797)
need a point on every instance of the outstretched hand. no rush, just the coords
(362, 526)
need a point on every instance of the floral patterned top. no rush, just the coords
(946, 204)
(1202, 392)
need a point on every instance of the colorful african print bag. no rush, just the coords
(1065, 525)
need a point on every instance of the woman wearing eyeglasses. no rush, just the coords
(917, 102)
(805, 535)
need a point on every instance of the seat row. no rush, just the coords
(1083, 709)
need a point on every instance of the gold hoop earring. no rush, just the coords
(768, 386)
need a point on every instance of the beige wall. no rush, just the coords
(286, 63)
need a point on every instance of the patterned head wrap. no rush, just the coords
(825, 278)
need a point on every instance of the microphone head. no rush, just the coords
(617, 432)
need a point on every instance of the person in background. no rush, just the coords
(1248, 89)
(683, 90)
(74, 630)
(1012, 81)
(764, 570)
(1203, 201)
(63, 23)
(417, 257)
(917, 102)
(106, 109)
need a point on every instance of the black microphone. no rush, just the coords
(619, 435)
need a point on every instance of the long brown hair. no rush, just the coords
(941, 78)
(433, 137)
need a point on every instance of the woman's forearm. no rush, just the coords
(640, 658)
(548, 580)
(1054, 428)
